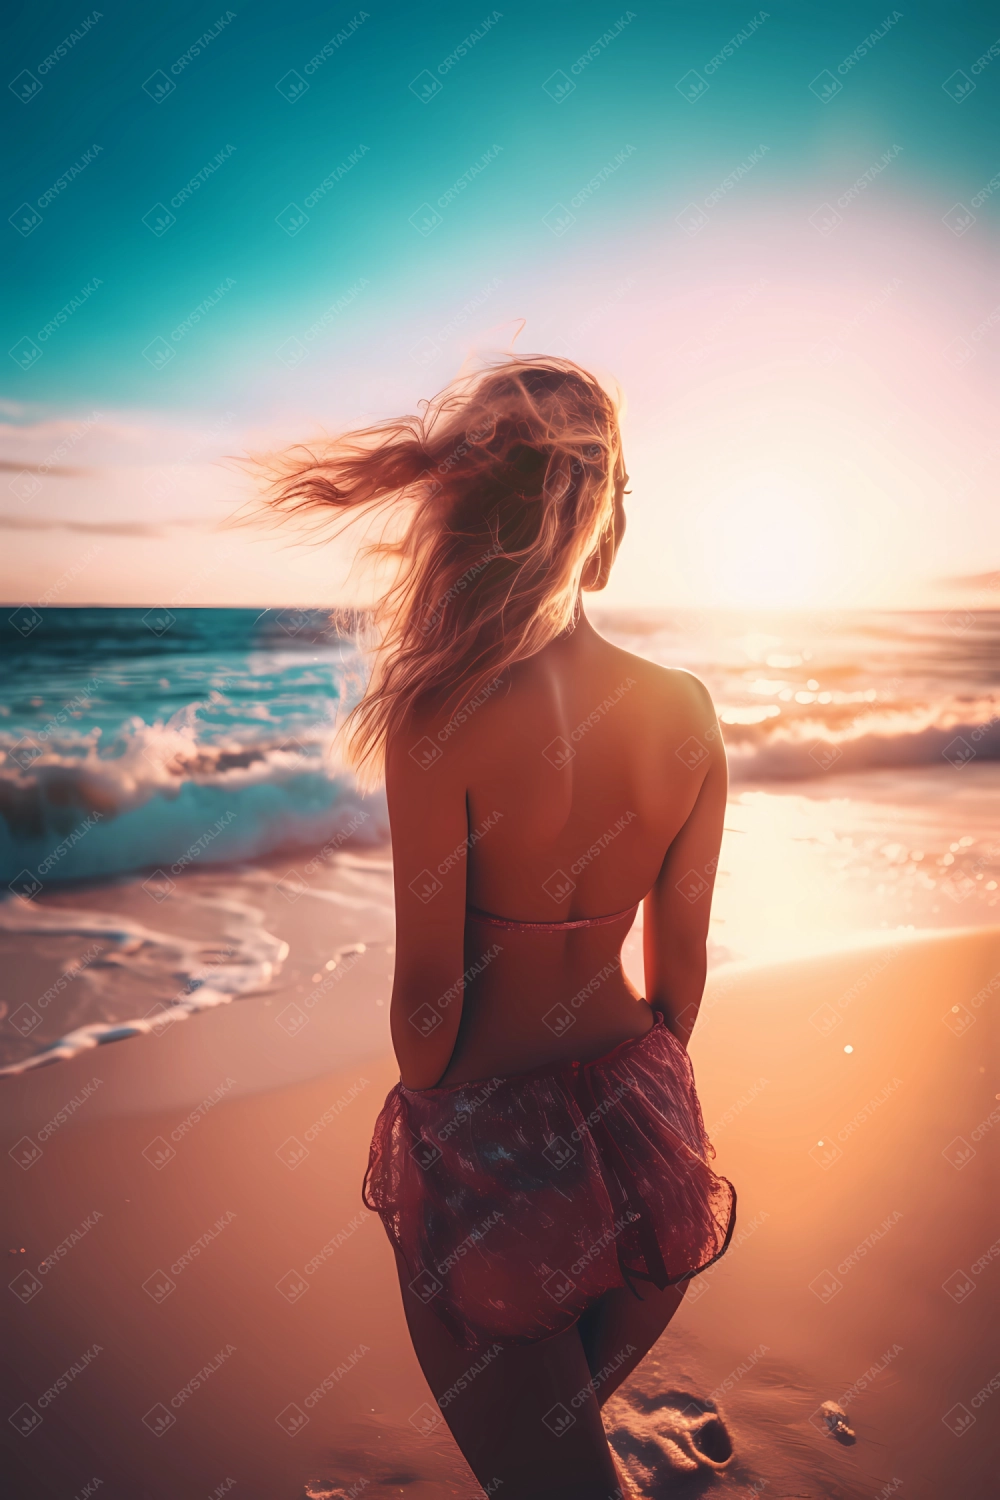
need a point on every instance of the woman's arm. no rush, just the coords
(676, 911)
(428, 819)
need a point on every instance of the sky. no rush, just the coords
(774, 229)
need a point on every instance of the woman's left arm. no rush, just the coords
(428, 819)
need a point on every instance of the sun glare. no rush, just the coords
(772, 541)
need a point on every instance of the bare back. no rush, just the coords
(587, 781)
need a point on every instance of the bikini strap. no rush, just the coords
(512, 925)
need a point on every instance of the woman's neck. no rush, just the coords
(579, 630)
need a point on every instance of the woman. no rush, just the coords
(541, 1167)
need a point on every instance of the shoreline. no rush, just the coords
(239, 1033)
(803, 869)
(253, 1215)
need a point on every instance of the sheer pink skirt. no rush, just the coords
(516, 1202)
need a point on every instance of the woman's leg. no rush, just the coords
(525, 1415)
(619, 1330)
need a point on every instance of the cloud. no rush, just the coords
(60, 472)
(95, 528)
(972, 580)
(113, 439)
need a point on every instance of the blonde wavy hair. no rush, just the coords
(507, 479)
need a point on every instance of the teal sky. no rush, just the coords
(360, 96)
(753, 121)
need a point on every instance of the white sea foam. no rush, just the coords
(194, 975)
(170, 799)
(946, 735)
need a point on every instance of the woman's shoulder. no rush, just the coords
(443, 723)
(675, 686)
(483, 724)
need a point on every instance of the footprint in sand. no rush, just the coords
(836, 1421)
(330, 1489)
(660, 1437)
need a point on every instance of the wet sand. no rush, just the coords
(203, 1306)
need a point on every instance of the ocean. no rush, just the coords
(167, 783)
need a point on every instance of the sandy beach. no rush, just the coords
(201, 1305)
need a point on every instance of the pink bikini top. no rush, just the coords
(514, 926)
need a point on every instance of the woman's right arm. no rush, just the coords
(428, 821)
(676, 911)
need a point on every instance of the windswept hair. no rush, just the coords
(505, 483)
